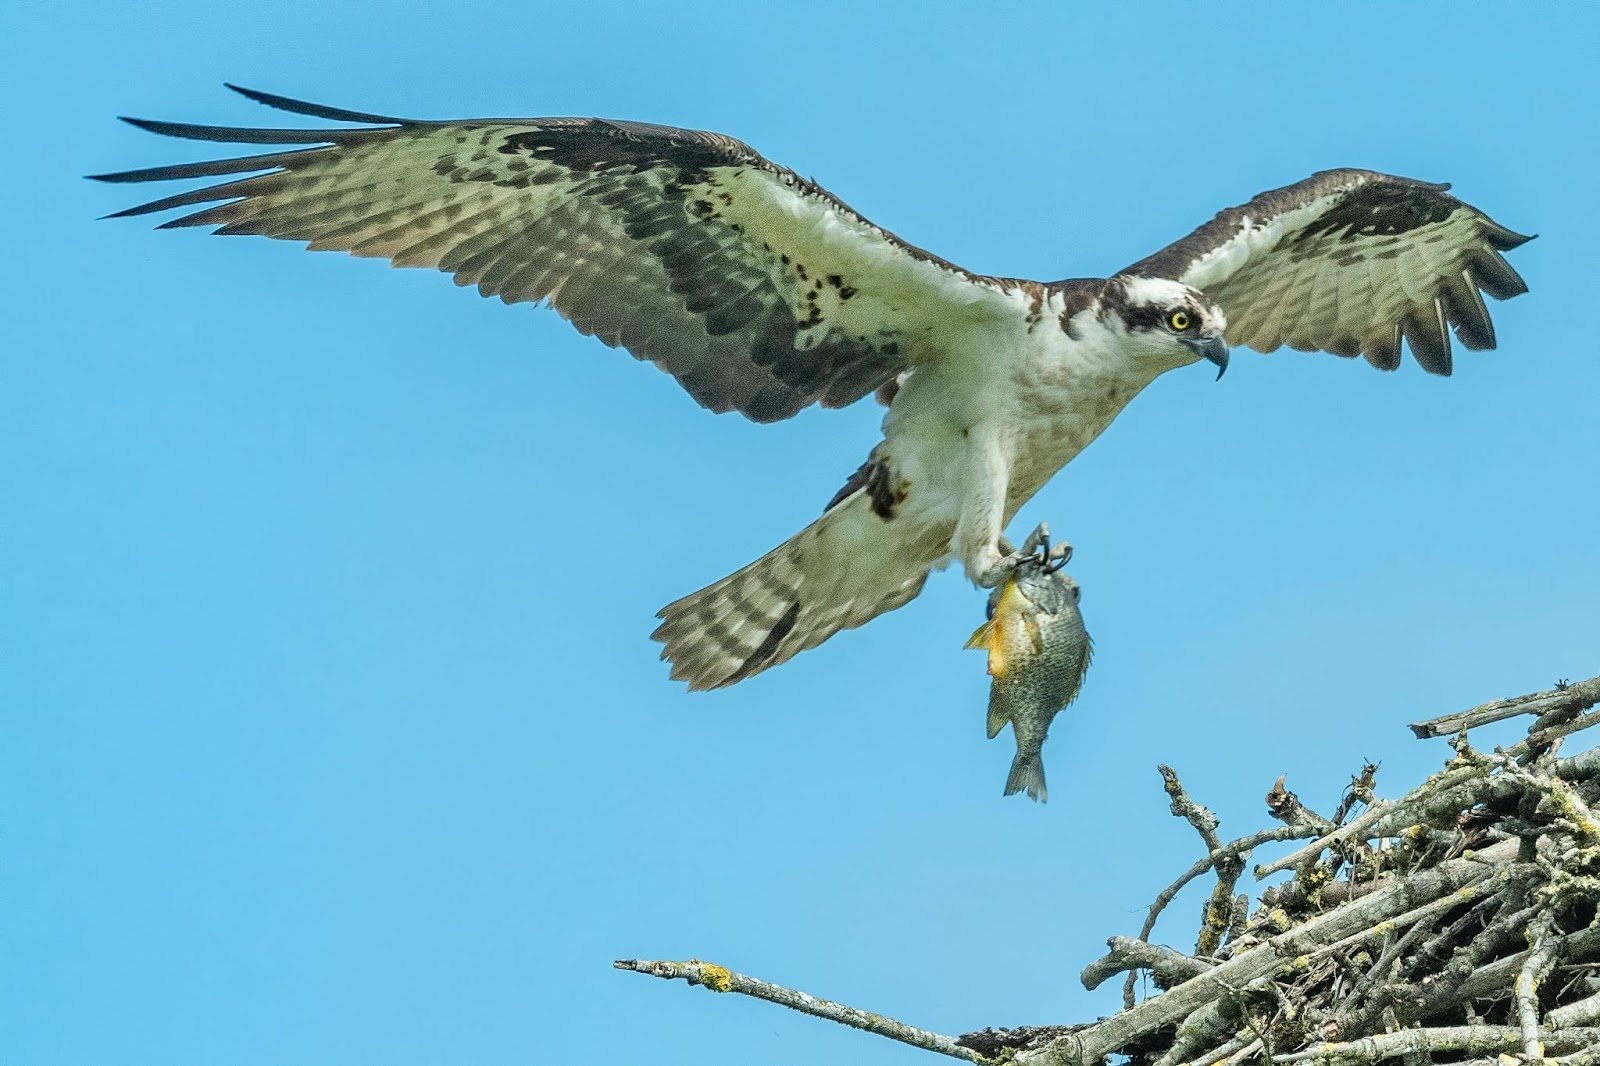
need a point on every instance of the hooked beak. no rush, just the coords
(1210, 345)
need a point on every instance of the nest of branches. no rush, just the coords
(1457, 923)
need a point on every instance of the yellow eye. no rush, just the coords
(1178, 320)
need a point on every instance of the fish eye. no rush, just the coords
(1179, 321)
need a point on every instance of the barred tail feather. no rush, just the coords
(841, 571)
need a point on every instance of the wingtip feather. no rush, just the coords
(305, 107)
(1502, 239)
(190, 131)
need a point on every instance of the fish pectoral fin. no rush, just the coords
(997, 720)
(997, 658)
(990, 638)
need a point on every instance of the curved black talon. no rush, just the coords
(1048, 565)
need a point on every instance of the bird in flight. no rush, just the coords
(762, 293)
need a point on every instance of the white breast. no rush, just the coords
(1048, 394)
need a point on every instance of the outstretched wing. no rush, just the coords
(1350, 261)
(755, 288)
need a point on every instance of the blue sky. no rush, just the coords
(332, 732)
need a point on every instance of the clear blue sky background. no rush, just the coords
(332, 732)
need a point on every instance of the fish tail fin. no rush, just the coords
(1027, 775)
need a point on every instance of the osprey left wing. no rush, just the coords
(757, 289)
(1350, 262)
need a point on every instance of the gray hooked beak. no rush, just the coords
(1210, 345)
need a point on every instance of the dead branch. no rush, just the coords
(721, 979)
(1570, 699)
(1169, 966)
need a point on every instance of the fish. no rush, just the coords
(1038, 651)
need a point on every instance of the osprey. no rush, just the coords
(762, 293)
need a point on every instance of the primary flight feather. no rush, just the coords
(762, 293)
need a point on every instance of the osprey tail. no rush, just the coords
(843, 570)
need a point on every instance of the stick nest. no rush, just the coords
(1456, 924)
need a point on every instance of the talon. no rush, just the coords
(1039, 536)
(1056, 556)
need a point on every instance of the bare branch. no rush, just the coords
(1573, 699)
(1582, 1012)
(1286, 807)
(1544, 946)
(1205, 823)
(721, 979)
(1239, 849)
(1470, 1039)
(1003, 1044)
(1173, 967)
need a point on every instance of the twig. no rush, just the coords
(1239, 849)
(1471, 1039)
(1286, 807)
(720, 979)
(1205, 823)
(996, 1043)
(1245, 1052)
(1543, 945)
(1587, 1057)
(1360, 791)
(1239, 1042)
(1129, 954)
(1547, 735)
(1217, 918)
(1350, 831)
(1579, 1013)
(1328, 894)
(1578, 697)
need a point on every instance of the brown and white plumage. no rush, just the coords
(1349, 262)
(686, 248)
(762, 293)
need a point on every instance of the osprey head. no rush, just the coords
(1166, 321)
